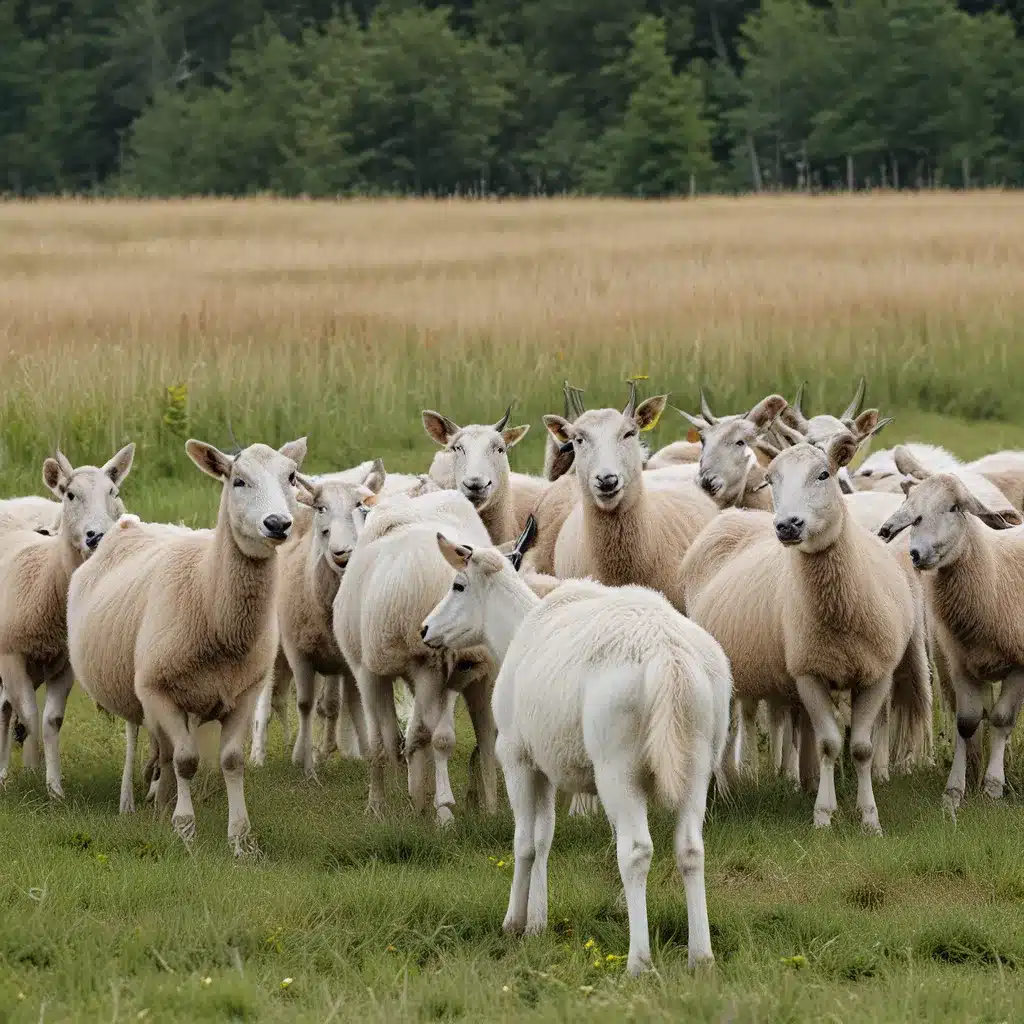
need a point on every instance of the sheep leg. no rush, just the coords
(829, 741)
(867, 704)
(780, 732)
(131, 736)
(734, 747)
(791, 746)
(232, 766)
(689, 843)
(378, 696)
(328, 708)
(1002, 719)
(881, 742)
(443, 741)
(478, 701)
(6, 720)
(177, 730)
(261, 722)
(352, 706)
(626, 806)
(748, 756)
(969, 710)
(164, 785)
(305, 683)
(417, 737)
(57, 690)
(22, 694)
(520, 779)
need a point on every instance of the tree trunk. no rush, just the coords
(850, 183)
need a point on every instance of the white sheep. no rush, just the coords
(807, 601)
(480, 471)
(881, 465)
(631, 526)
(601, 690)
(31, 513)
(974, 577)
(35, 570)
(171, 627)
(394, 577)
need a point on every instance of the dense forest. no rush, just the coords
(508, 97)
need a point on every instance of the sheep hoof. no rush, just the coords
(54, 790)
(822, 817)
(993, 788)
(375, 810)
(244, 844)
(258, 758)
(4, 777)
(869, 822)
(637, 966)
(510, 926)
(951, 800)
(702, 965)
(534, 927)
(445, 818)
(128, 804)
(185, 827)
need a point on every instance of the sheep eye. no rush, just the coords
(823, 475)
(865, 472)
(501, 451)
(577, 440)
(740, 443)
(291, 479)
(458, 587)
(322, 509)
(238, 482)
(113, 492)
(629, 434)
(459, 449)
(70, 496)
(954, 508)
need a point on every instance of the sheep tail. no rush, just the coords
(668, 728)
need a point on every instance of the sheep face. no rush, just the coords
(90, 503)
(936, 511)
(334, 504)
(727, 454)
(809, 506)
(259, 484)
(480, 466)
(457, 622)
(609, 454)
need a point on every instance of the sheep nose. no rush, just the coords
(789, 529)
(708, 484)
(277, 527)
(341, 555)
(92, 539)
(915, 557)
(423, 631)
(476, 483)
(607, 482)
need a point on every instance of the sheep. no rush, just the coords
(601, 690)
(1005, 470)
(481, 471)
(35, 570)
(631, 526)
(393, 578)
(973, 578)
(808, 600)
(170, 627)
(677, 453)
(881, 465)
(39, 514)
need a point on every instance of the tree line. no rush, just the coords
(513, 97)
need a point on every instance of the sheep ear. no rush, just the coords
(841, 449)
(649, 412)
(210, 460)
(793, 414)
(120, 465)
(907, 464)
(514, 435)
(767, 410)
(374, 479)
(294, 450)
(456, 555)
(559, 428)
(766, 448)
(1004, 519)
(864, 424)
(308, 492)
(907, 484)
(54, 475)
(439, 427)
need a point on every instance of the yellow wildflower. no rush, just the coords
(589, 944)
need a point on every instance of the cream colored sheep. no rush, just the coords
(601, 690)
(974, 577)
(1006, 470)
(881, 465)
(394, 577)
(35, 571)
(820, 605)
(631, 526)
(186, 621)
(31, 513)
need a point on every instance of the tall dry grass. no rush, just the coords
(343, 320)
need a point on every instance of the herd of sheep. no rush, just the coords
(613, 624)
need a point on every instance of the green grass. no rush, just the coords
(108, 918)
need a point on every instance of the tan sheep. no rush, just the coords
(1006, 470)
(974, 577)
(35, 570)
(806, 601)
(186, 621)
(31, 513)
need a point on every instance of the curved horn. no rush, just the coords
(631, 404)
(705, 409)
(231, 434)
(854, 406)
(574, 407)
(799, 400)
(526, 539)
(503, 422)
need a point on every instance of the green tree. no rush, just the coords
(663, 140)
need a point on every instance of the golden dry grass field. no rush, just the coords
(343, 321)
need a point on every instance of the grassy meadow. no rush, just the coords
(155, 322)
